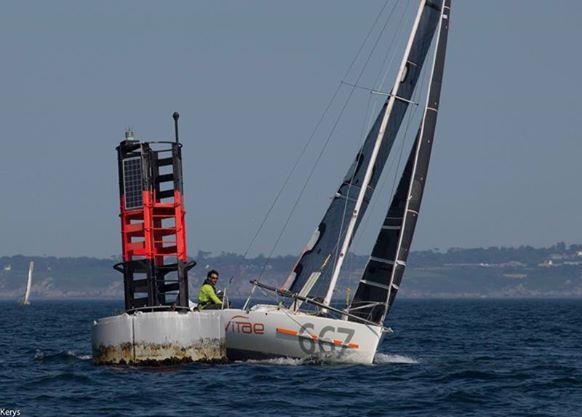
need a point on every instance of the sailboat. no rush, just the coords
(308, 326)
(26, 300)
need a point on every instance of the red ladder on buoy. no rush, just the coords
(153, 231)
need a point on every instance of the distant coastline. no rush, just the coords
(495, 272)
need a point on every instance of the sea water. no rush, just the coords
(445, 358)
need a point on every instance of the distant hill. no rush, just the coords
(497, 272)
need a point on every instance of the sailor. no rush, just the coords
(207, 298)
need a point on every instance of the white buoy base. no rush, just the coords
(159, 337)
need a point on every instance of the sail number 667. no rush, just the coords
(309, 345)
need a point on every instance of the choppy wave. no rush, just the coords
(60, 356)
(446, 360)
(383, 358)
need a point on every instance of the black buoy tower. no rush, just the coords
(153, 231)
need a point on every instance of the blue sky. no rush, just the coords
(250, 79)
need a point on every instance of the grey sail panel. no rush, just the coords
(316, 263)
(383, 273)
(312, 272)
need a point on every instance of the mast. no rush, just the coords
(28, 284)
(383, 273)
(312, 273)
(364, 186)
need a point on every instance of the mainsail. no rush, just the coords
(313, 270)
(383, 273)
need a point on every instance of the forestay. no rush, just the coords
(312, 272)
(385, 268)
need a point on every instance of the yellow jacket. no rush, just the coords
(207, 295)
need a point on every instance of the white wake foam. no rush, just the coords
(382, 358)
(277, 361)
(78, 355)
(379, 359)
(84, 357)
(39, 355)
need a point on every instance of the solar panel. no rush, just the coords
(132, 182)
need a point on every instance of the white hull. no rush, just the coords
(268, 331)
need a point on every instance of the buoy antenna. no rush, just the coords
(176, 116)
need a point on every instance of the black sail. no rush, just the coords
(383, 273)
(312, 272)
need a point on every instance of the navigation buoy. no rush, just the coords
(158, 325)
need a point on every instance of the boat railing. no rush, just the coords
(343, 313)
(367, 305)
(158, 308)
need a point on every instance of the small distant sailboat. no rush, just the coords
(26, 300)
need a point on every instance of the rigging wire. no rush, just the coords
(334, 126)
(366, 126)
(304, 149)
(392, 53)
(366, 221)
(315, 129)
(327, 140)
(412, 113)
(354, 86)
(423, 85)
